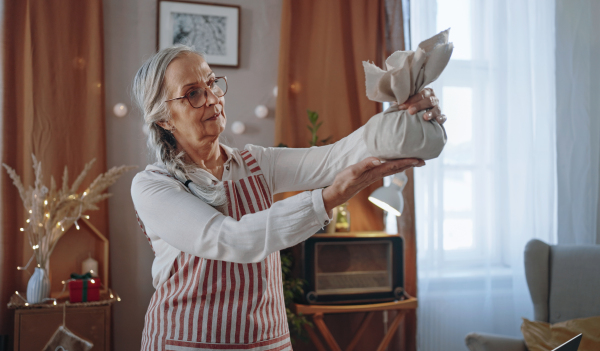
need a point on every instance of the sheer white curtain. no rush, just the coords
(494, 187)
(578, 105)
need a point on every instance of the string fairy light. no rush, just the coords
(52, 210)
(27, 265)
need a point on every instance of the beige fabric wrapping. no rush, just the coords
(395, 133)
(542, 336)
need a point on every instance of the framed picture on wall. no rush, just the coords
(211, 29)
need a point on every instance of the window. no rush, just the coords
(493, 187)
(454, 192)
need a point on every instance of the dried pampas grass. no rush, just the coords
(53, 211)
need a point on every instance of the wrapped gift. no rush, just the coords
(84, 288)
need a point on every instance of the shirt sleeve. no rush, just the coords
(170, 213)
(298, 169)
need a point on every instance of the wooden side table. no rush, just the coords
(318, 311)
(35, 324)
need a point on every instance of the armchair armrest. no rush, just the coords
(490, 342)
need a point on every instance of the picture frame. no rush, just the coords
(212, 29)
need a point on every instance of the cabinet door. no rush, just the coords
(36, 327)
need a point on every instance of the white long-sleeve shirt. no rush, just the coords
(175, 220)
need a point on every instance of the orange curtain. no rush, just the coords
(323, 44)
(53, 107)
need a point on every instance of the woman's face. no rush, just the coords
(193, 126)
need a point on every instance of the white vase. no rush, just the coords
(38, 287)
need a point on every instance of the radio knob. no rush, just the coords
(399, 293)
(311, 297)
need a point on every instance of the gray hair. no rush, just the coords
(150, 94)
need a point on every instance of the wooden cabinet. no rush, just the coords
(35, 326)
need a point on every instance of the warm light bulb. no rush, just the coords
(91, 271)
(87, 217)
(76, 225)
(35, 247)
(27, 221)
(47, 215)
(30, 211)
(84, 193)
(54, 303)
(45, 202)
(111, 296)
(118, 299)
(26, 304)
(39, 265)
(93, 281)
(21, 229)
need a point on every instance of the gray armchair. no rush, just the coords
(564, 283)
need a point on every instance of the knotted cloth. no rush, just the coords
(395, 133)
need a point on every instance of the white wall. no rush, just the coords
(577, 121)
(130, 30)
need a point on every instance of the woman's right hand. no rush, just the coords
(355, 178)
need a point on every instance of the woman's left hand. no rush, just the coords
(424, 100)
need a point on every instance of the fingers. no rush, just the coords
(389, 173)
(395, 166)
(364, 166)
(433, 113)
(354, 178)
(371, 167)
(423, 104)
(420, 101)
(441, 119)
(367, 164)
(423, 94)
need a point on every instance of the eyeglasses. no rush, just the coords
(197, 97)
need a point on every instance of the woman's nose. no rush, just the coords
(211, 98)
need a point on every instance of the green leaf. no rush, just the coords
(326, 140)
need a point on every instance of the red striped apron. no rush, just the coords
(217, 305)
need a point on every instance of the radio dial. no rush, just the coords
(311, 297)
(399, 293)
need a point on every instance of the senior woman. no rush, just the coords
(207, 209)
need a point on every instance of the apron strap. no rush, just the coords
(251, 162)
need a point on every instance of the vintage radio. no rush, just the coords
(353, 268)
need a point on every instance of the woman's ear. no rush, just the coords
(165, 125)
